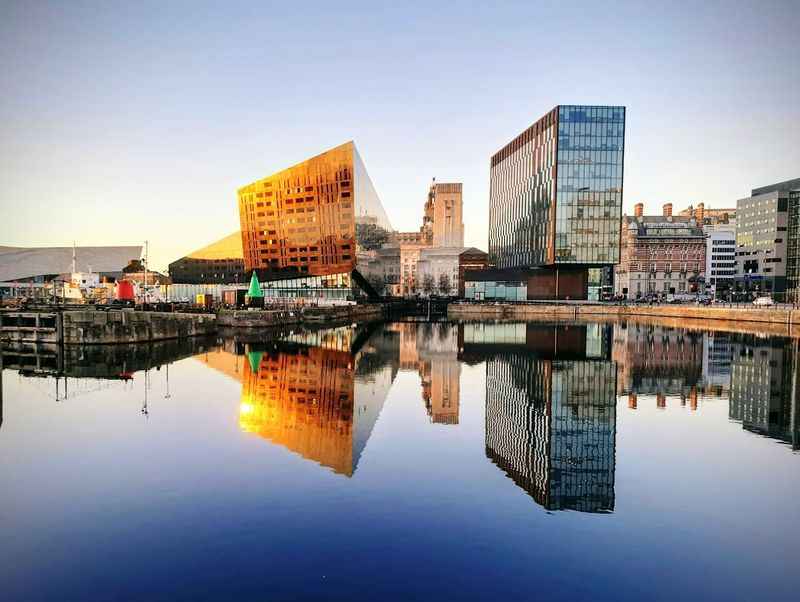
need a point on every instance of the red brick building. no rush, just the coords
(660, 255)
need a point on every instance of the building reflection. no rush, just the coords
(317, 393)
(302, 398)
(662, 362)
(756, 375)
(550, 409)
(431, 349)
(658, 361)
(764, 387)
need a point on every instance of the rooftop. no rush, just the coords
(28, 262)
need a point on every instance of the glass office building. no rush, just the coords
(555, 195)
(763, 264)
(311, 219)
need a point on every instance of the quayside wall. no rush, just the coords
(106, 327)
(328, 315)
(779, 321)
(92, 327)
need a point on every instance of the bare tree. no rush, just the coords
(428, 284)
(444, 284)
(378, 283)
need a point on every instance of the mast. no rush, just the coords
(146, 258)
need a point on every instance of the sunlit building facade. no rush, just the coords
(555, 199)
(762, 237)
(308, 222)
(443, 214)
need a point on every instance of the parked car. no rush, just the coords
(765, 301)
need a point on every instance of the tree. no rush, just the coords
(444, 284)
(371, 236)
(378, 283)
(428, 284)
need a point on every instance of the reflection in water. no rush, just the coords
(431, 349)
(763, 387)
(660, 362)
(756, 375)
(551, 410)
(521, 419)
(70, 371)
(302, 398)
(320, 393)
(550, 389)
(317, 393)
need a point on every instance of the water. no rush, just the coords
(406, 461)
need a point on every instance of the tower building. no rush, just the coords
(555, 202)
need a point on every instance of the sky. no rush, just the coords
(125, 122)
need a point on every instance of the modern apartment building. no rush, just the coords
(660, 255)
(555, 200)
(304, 224)
(762, 223)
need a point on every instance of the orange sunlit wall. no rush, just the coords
(302, 219)
(304, 402)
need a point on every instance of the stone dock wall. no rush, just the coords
(779, 321)
(324, 315)
(101, 327)
(120, 326)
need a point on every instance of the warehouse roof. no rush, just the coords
(17, 263)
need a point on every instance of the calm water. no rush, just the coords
(405, 461)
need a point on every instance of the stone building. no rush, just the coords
(660, 255)
(442, 268)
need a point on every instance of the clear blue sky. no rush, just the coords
(121, 123)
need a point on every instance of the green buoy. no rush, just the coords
(255, 287)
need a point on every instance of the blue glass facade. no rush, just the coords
(556, 190)
(591, 143)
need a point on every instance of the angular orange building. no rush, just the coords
(301, 226)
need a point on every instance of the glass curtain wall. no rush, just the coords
(591, 143)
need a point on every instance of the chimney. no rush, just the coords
(638, 209)
(700, 212)
(667, 209)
